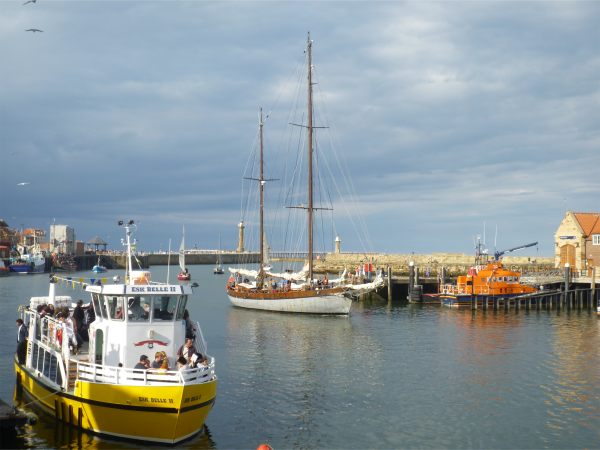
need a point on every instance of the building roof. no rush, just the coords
(96, 241)
(589, 222)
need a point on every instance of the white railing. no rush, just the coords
(121, 375)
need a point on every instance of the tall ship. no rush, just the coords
(488, 279)
(99, 385)
(288, 291)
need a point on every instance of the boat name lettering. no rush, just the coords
(192, 399)
(155, 400)
(142, 289)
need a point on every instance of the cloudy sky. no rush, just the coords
(448, 115)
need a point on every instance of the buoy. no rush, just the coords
(264, 447)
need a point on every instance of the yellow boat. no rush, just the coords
(98, 389)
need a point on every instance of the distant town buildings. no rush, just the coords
(577, 241)
(62, 239)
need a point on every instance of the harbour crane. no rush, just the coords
(499, 254)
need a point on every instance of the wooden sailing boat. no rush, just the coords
(184, 275)
(290, 292)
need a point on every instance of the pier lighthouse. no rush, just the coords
(240, 247)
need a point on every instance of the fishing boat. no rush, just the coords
(32, 261)
(218, 270)
(297, 292)
(99, 268)
(98, 388)
(184, 275)
(486, 280)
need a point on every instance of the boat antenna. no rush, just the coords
(127, 244)
(169, 263)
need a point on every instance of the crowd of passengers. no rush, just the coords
(75, 323)
(187, 358)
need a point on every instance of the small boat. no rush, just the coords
(218, 270)
(28, 262)
(97, 388)
(299, 292)
(184, 275)
(99, 268)
(486, 280)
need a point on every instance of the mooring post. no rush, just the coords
(411, 277)
(567, 276)
(389, 283)
(592, 302)
(416, 276)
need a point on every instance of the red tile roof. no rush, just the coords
(589, 222)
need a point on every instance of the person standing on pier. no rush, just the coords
(21, 341)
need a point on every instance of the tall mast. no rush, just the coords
(310, 160)
(261, 181)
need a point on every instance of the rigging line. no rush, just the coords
(345, 176)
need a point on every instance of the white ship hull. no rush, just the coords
(326, 304)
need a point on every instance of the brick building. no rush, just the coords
(577, 241)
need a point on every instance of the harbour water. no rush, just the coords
(387, 376)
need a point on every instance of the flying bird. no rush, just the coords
(30, 1)
(35, 30)
(25, 183)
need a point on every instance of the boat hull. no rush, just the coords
(315, 304)
(166, 414)
(98, 269)
(466, 300)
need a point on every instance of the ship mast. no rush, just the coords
(310, 160)
(261, 182)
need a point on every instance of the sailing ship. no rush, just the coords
(184, 274)
(97, 387)
(298, 292)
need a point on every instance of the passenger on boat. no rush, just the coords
(187, 350)
(144, 363)
(190, 331)
(158, 360)
(182, 363)
(21, 341)
(136, 312)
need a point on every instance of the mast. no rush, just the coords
(261, 181)
(310, 160)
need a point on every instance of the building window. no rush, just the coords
(596, 239)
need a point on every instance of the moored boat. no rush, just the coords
(184, 274)
(98, 388)
(99, 268)
(299, 292)
(488, 280)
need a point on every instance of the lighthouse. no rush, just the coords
(240, 247)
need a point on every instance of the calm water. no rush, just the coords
(385, 377)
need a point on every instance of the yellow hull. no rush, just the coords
(167, 414)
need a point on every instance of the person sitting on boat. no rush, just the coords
(136, 312)
(187, 350)
(182, 363)
(158, 360)
(143, 364)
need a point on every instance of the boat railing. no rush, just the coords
(120, 375)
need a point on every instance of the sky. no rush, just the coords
(452, 118)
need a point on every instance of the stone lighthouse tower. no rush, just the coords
(338, 245)
(240, 247)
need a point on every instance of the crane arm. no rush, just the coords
(497, 255)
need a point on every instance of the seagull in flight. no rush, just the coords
(30, 1)
(24, 183)
(35, 30)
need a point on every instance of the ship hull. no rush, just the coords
(335, 303)
(467, 300)
(165, 414)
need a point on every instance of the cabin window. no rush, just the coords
(96, 303)
(164, 308)
(138, 308)
(115, 308)
(596, 239)
(181, 307)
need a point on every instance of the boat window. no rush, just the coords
(96, 302)
(164, 308)
(115, 308)
(138, 308)
(181, 307)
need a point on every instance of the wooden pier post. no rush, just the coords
(592, 301)
(411, 277)
(389, 283)
(567, 276)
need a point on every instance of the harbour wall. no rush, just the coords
(117, 261)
